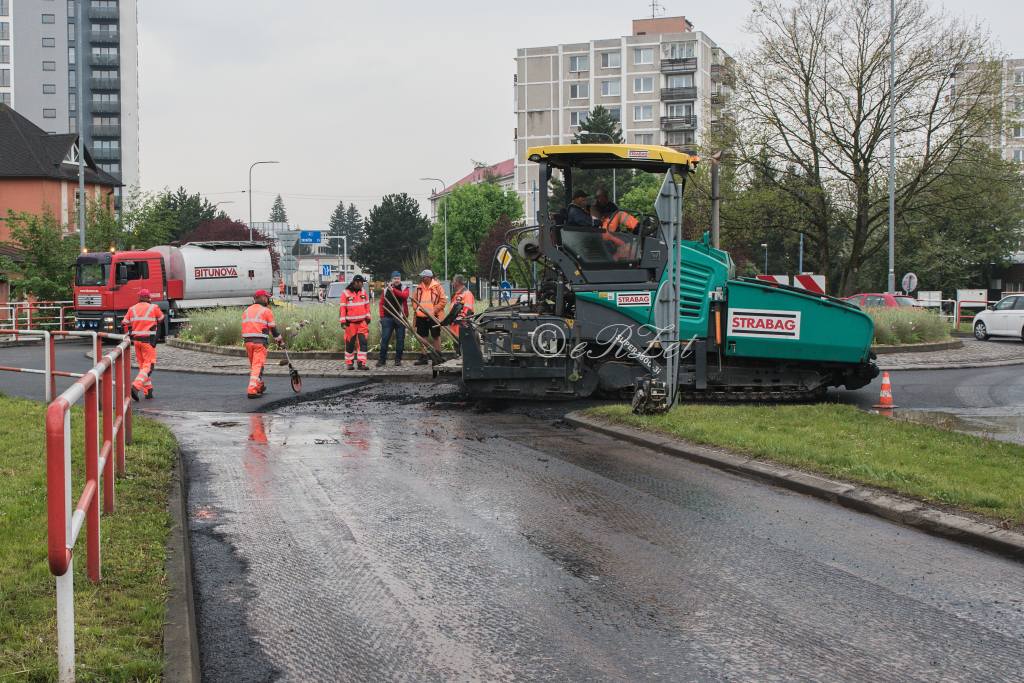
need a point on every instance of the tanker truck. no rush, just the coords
(194, 275)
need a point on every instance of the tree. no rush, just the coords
(395, 229)
(186, 211)
(228, 230)
(48, 256)
(599, 126)
(146, 220)
(814, 101)
(277, 212)
(347, 223)
(487, 267)
(472, 210)
(103, 231)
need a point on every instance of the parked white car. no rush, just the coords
(1005, 319)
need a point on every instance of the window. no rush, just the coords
(111, 168)
(71, 8)
(5, 98)
(5, 8)
(5, 79)
(1006, 304)
(49, 66)
(48, 88)
(103, 4)
(5, 30)
(579, 63)
(677, 110)
(49, 113)
(1018, 156)
(684, 81)
(105, 74)
(49, 19)
(643, 55)
(578, 91)
(611, 60)
(72, 102)
(71, 55)
(677, 138)
(643, 84)
(49, 42)
(679, 50)
(577, 118)
(106, 120)
(132, 270)
(615, 113)
(643, 112)
(611, 88)
(105, 50)
(71, 78)
(105, 97)
(104, 28)
(112, 145)
(1018, 131)
(5, 54)
(71, 33)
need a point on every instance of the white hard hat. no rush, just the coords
(427, 273)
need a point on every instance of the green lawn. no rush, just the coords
(118, 623)
(931, 464)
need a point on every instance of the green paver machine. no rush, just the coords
(646, 312)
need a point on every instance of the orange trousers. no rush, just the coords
(145, 356)
(257, 354)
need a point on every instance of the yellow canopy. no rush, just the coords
(646, 157)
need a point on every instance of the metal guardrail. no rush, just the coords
(24, 315)
(686, 93)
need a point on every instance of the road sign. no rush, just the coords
(325, 271)
(909, 282)
(506, 291)
(309, 236)
(504, 257)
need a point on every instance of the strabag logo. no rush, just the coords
(215, 272)
(633, 299)
(638, 154)
(764, 324)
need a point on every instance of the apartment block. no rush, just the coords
(39, 64)
(665, 83)
(1012, 140)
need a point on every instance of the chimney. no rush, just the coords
(643, 27)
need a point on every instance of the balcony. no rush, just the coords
(679, 122)
(670, 94)
(678, 65)
(104, 60)
(105, 154)
(722, 74)
(686, 148)
(99, 107)
(112, 84)
(106, 131)
(104, 37)
(104, 13)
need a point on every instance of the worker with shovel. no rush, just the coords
(394, 301)
(257, 324)
(428, 303)
(354, 314)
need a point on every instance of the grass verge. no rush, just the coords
(949, 468)
(119, 622)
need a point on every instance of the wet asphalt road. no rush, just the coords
(378, 536)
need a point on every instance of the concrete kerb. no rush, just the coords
(863, 499)
(276, 355)
(886, 349)
(181, 637)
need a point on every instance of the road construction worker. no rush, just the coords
(428, 303)
(579, 212)
(615, 224)
(603, 205)
(257, 327)
(394, 302)
(141, 322)
(354, 314)
(463, 303)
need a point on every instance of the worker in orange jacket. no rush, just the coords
(354, 316)
(141, 324)
(258, 326)
(620, 222)
(463, 303)
(428, 298)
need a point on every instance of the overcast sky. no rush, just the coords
(360, 99)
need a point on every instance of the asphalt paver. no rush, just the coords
(394, 532)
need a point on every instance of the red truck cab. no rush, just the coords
(107, 285)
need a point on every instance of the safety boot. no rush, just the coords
(135, 394)
(149, 393)
(363, 366)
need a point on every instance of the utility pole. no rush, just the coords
(892, 147)
(80, 106)
(254, 164)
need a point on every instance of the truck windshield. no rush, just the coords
(91, 274)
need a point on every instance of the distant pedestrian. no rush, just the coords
(280, 288)
(141, 322)
(354, 314)
(394, 299)
(257, 326)
(428, 303)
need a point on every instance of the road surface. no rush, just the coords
(379, 536)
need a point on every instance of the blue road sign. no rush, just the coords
(505, 284)
(506, 291)
(325, 271)
(309, 237)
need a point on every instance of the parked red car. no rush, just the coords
(878, 300)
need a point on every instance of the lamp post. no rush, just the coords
(254, 164)
(614, 190)
(765, 245)
(444, 189)
(344, 257)
(892, 147)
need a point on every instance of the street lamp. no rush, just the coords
(255, 163)
(445, 188)
(765, 245)
(344, 257)
(611, 140)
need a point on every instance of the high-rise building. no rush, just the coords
(1011, 141)
(665, 84)
(39, 63)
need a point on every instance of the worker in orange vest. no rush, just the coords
(619, 221)
(140, 323)
(429, 297)
(463, 303)
(354, 315)
(257, 326)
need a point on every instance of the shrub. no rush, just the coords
(908, 326)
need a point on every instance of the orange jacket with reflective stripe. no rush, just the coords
(430, 297)
(141, 320)
(620, 221)
(257, 322)
(354, 307)
(466, 298)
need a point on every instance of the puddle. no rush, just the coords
(1001, 424)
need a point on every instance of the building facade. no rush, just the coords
(503, 174)
(39, 64)
(665, 83)
(1011, 143)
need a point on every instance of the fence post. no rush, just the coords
(92, 476)
(107, 391)
(126, 393)
(58, 497)
(51, 360)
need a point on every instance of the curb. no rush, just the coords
(959, 366)
(861, 498)
(240, 353)
(181, 639)
(917, 348)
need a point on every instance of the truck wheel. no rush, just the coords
(981, 332)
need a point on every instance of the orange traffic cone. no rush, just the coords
(885, 395)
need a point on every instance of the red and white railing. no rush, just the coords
(37, 315)
(49, 369)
